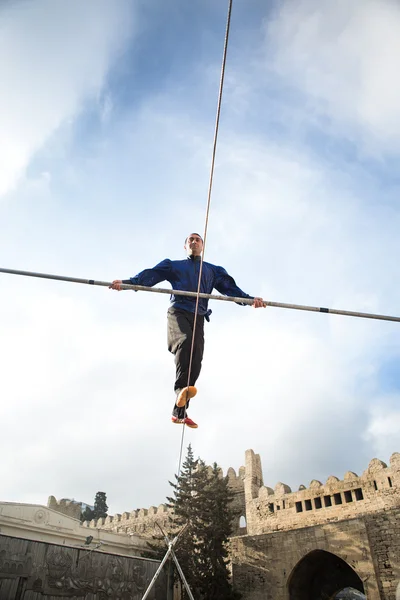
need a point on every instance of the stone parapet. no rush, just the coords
(137, 522)
(277, 509)
(144, 521)
(66, 507)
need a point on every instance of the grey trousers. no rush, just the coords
(180, 333)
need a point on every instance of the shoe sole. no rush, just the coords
(180, 423)
(184, 395)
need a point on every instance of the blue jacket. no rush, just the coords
(184, 275)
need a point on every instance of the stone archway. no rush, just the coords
(321, 575)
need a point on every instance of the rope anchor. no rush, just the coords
(170, 552)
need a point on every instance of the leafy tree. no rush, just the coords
(100, 505)
(87, 514)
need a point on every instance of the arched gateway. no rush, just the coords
(321, 574)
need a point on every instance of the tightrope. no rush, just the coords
(210, 185)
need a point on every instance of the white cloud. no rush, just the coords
(82, 394)
(343, 57)
(53, 57)
(384, 426)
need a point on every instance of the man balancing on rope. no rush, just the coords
(184, 275)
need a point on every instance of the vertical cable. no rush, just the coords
(210, 185)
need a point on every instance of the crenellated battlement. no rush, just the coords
(66, 507)
(259, 508)
(377, 471)
(143, 521)
(280, 508)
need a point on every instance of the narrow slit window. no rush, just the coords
(317, 502)
(358, 493)
(375, 485)
(390, 482)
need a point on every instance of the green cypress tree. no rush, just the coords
(218, 515)
(87, 514)
(100, 506)
(201, 499)
(187, 508)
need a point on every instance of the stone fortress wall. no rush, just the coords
(318, 540)
(345, 531)
(66, 507)
(278, 509)
(268, 509)
(143, 521)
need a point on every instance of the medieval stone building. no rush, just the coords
(308, 544)
(312, 543)
(315, 543)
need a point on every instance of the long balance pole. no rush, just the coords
(142, 288)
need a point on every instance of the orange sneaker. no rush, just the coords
(185, 394)
(186, 421)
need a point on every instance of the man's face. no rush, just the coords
(194, 245)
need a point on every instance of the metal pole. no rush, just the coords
(185, 583)
(142, 288)
(156, 574)
(170, 584)
(169, 551)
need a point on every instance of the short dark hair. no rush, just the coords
(194, 233)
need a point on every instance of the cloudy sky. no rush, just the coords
(106, 124)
